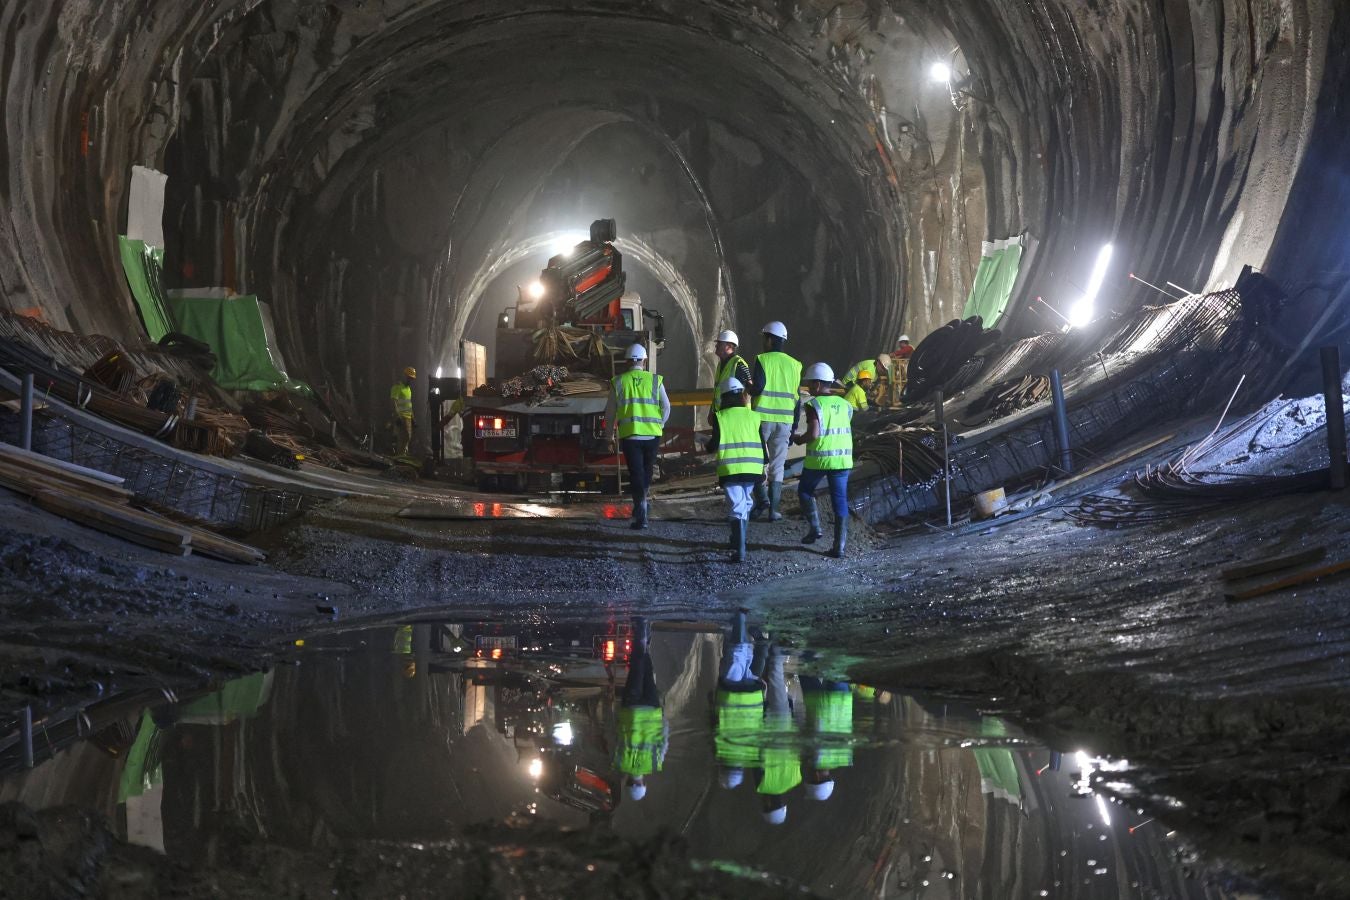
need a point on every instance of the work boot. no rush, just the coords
(737, 541)
(642, 634)
(840, 537)
(811, 512)
(761, 501)
(639, 515)
(740, 630)
(731, 541)
(775, 495)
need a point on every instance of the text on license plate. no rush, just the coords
(495, 432)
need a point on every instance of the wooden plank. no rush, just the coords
(210, 544)
(57, 466)
(27, 481)
(103, 517)
(1292, 581)
(695, 397)
(1275, 564)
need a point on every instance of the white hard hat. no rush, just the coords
(820, 791)
(776, 816)
(731, 778)
(904, 337)
(730, 386)
(884, 360)
(777, 329)
(637, 351)
(637, 792)
(728, 337)
(819, 372)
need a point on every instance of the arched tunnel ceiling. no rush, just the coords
(357, 161)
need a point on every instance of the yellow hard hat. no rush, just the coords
(410, 372)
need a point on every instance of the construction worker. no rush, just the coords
(739, 701)
(866, 365)
(855, 392)
(729, 362)
(902, 350)
(774, 386)
(740, 458)
(829, 454)
(401, 395)
(637, 411)
(829, 723)
(644, 735)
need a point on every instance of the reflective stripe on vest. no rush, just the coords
(740, 721)
(833, 450)
(728, 369)
(739, 449)
(401, 394)
(782, 377)
(638, 404)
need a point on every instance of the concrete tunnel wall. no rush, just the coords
(357, 162)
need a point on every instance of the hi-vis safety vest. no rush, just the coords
(781, 760)
(641, 748)
(638, 404)
(830, 716)
(740, 720)
(867, 365)
(728, 369)
(739, 449)
(782, 377)
(401, 394)
(833, 450)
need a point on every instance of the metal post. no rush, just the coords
(941, 417)
(26, 413)
(26, 735)
(1061, 422)
(1335, 402)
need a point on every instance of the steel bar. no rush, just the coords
(1335, 402)
(946, 459)
(26, 412)
(1061, 422)
(26, 735)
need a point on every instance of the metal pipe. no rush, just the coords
(1061, 422)
(1335, 402)
(941, 417)
(26, 735)
(26, 412)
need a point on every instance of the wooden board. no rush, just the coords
(115, 520)
(49, 464)
(27, 480)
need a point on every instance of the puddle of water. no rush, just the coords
(411, 733)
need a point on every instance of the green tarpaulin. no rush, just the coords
(994, 280)
(234, 328)
(143, 265)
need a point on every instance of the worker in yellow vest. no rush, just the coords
(740, 458)
(829, 724)
(867, 365)
(637, 413)
(855, 393)
(644, 735)
(401, 396)
(739, 701)
(829, 454)
(780, 759)
(730, 364)
(774, 385)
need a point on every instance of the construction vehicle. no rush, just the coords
(578, 315)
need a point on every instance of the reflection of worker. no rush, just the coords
(638, 409)
(829, 721)
(829, 454)
(855, 393)
(740, 705)
(774, 386)
(782, 767)
(740, 458)
(643, 733)
(401, 395)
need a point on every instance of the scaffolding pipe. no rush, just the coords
(1061, 422)
(26, 735)
(1335, 403)
(946, 468)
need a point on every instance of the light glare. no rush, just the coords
(536, 767)
(940, 73)
(536, 289)
(1081, 313)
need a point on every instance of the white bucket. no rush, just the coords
(990, 504)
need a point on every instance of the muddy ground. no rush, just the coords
(1234, 713)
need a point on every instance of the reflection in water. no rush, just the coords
(757, 757)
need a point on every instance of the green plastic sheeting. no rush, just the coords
(998, 770)
(142, 770)
(233, 327)
(994, 280)
(143, 265)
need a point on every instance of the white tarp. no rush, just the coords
(145, 207)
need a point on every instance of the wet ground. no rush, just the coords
(1232, 715)
(413, 737)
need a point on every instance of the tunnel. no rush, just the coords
(388, 177)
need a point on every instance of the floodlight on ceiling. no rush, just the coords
(564, 245)
(940, 73)
(1082, 312)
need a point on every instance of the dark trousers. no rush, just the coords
(640, 688)
(641, 459)
(811, 479)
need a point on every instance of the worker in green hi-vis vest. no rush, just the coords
(829, 724)
(739, 704)
(644, 734)
(781, 766)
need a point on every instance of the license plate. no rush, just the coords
(495, 432)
